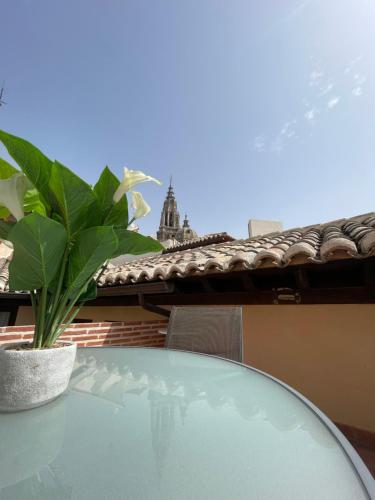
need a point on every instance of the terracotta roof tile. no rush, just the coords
(208, 239)
(341, 239)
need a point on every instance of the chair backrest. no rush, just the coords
(209, 330)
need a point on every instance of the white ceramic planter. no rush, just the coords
(31, 378)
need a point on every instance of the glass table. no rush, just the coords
(153, 424)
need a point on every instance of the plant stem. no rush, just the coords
(42, 316)
(35, 314)
(67, 324)
(57, 292)
(61, 314)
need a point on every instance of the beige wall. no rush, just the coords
(327, 352)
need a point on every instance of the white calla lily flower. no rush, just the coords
(131, 178)
(12, 193)
(141, 208)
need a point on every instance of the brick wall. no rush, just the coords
(125, 333)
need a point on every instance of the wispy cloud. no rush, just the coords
(277, 143)
(324, 91)
(352, 63)
(359, 81)
(315, 78)
(259, 144)
(357, 91)
(311, 114)
(333, 102)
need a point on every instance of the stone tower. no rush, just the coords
(170, 218)
(185, 232)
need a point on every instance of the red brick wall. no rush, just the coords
(128, 333)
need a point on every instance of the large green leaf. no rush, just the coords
(92, 248)
(32, 200)
(71, 197)
(118, 214)
(39, 244)
(6, 169)
(33, 203)
(5, 228)
(88, 294)
(33, 162)
(105, 189)
(134, 243)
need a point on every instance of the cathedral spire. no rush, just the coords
(170, 218)
(170, 228)
(170, 189)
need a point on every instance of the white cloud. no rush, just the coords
(357, 91)
(259, 144)
(310, 114)
(287, 128)
(333, 102)
(315, 77)
(325, 89)
(360, 79)
(352, 63)
(277, 145)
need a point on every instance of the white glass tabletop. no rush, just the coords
(153, 424)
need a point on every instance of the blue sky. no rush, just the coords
(257, 109)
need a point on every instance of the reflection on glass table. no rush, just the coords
(153, 424)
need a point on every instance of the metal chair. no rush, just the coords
(208, 330)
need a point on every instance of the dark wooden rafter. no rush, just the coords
(152, 307)
(207, 285)
(248, 282)
(369, 273)
(302, 279)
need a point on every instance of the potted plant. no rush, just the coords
(63, 231)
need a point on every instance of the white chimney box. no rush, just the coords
(263, 227)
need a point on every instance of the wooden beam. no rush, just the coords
(350, 295)
(369, 273)
(144, 288)
(151, 307)
(247, 282)
(302, 280)
(207, 285)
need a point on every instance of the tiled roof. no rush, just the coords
(340, 239)
(202, 241)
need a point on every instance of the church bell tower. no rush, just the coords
(170, 218)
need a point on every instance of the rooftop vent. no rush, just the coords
(262, 227)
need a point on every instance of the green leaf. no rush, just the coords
(33, 203)
(118, 214)
(90, 292)
(71, 197)
(135, 244)
(105, 189)
(5, 227)
(6, 169)
(39, 244)
(33, 162)
(92, 248)
(4, 213)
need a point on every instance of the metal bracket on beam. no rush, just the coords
(152, 307)
(286, 295)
